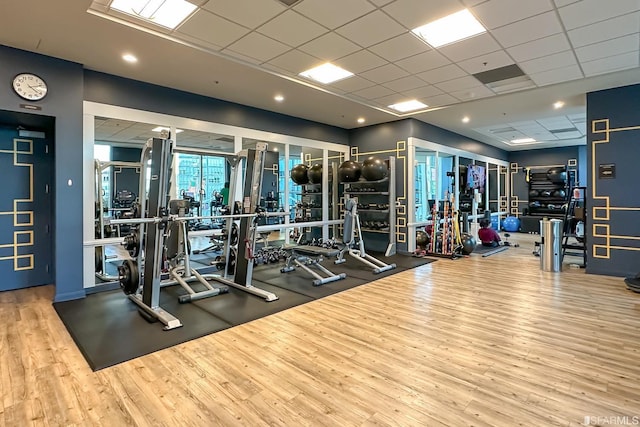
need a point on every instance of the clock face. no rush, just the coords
(29, 86)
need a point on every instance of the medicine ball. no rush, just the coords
(557, 175)
(299, 174)
(315, 174)
(559, 193)
(374, 169)
(511, 224)
(422, 239)
(533, 193)
(535, 204)
(349, 171)
(468, 243)
(545, 193)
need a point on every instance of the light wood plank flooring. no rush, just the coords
(478, 341)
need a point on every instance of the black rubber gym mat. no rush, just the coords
(108, 329)
(300, 282)
(357, 269)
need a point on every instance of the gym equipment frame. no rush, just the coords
(350, 230)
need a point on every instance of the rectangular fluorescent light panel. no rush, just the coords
(412, 105)
(326, 73)
(452, 28)
(523, 141)
(161, 128)
(168, 13)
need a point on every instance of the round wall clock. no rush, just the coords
(29, 86)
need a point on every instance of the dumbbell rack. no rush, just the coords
(377, 207)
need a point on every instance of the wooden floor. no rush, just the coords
(478, 341)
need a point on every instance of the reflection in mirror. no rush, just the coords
(492, 187)
(446, 170)
(335, 158)
(426, 181)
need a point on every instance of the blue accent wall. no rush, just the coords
(614, 203)
(112, 90)
(64, 103)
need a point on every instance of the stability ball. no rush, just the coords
(374, 169)
(422, 239)
(299, 174)
(315, 174)
(557, 175)
(511, 224)
(468, 243)
(349, 171)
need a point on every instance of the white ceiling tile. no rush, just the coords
(249, 13)
(404, 84)
(353, 84)
(562, 3)
(610, 64)
(380, 3)
(371, 29)
(555, 123)
(241, 56)
(414, 13)
(440, 100)
(590, 11)
(360, 61)
(471, 3)
(292, 28)
(260, 47)
(333, 13)
(423, 92)
(557, 60)
(373, 92)
(295, 61)
(212, 29)
(329, 47)
(423, 62)
(437, 75)
(608, 48)
(400, 47)
(605, 30)
(461, 83)
(486, 62)
(385, 101)
(473, 93)
(383, 74)
(557, 75)
(539, 48)
(496, 13)
(470, 48)
(533, 28)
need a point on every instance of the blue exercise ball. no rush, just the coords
(511, 224)
(495, 224)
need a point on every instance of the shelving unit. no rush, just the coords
(552, 196)
(377, 207)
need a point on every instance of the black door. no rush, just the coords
(26, 236)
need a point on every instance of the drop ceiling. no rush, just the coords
(247, 51)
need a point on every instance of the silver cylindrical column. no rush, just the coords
(551, 245)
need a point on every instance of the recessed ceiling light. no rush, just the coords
(160, 129)
(130, 58)
(275, 149)
(326, 73)
(522, 140)
(279, 98)
(412, 105)
(168, 13)
(361, 120)
(465, 119)
(558, 104)
(452, 28)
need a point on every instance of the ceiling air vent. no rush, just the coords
(289, 2)
(505, 79)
